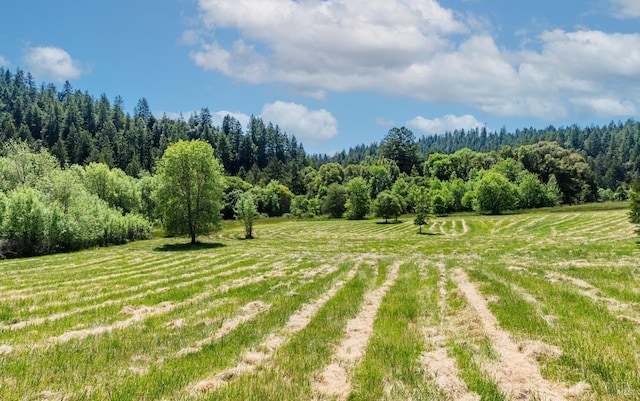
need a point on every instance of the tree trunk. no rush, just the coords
(193, 237)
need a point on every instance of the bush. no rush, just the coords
(25, 221)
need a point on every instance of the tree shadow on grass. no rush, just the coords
(429, 233)
(198, 246)
(390, 222)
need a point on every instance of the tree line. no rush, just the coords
(114, 161)
(612, 151)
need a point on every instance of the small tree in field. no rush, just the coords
(246, 211)
(387, 205)
(422, 206)
(189, 192)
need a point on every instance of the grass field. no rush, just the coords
(534, 306)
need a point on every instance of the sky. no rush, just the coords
(338, 73)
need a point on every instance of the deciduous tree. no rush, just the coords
(246, 211)
(387, 205)
(358, 200)
(334, 202)
(494, 193)
(189, 192)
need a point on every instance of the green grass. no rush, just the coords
(512, 260)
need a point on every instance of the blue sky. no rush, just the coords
(337, 73)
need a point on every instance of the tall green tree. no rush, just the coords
(189, 192)
(399, 145)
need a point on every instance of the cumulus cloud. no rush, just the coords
(52, 63)
(309, 126)
(3, 61)
(626, 8)
(443, 124)
(418, 49)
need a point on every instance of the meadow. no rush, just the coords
(541, 305)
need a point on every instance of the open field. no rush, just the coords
(533, 306)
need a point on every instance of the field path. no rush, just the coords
(334, 380)
(517, 375)
(252, 359)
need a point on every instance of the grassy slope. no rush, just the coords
(190, 294)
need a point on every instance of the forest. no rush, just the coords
(78, 171)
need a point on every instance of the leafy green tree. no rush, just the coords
(234, 187)
(575, 178)
(189, 192)
(358, 200)
(510, 168)
(401, 189)
(283, 196)
(147, 185)
(246, 211)
(494, 193)
(422, 206)
(25, 221)
(438, 165)
(439, 204)
(334, 202)
(531, 192)
(387, 205)
(330, 173)
(23, 166)
(379, 180)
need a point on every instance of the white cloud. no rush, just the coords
(626, 8)
(418, 49)
(4, 62)
(384, 122)
(218, 116)
(606, 106)
(443, 124)
(309, 126)
(52, 63)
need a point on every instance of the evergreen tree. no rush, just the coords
(399, 145)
